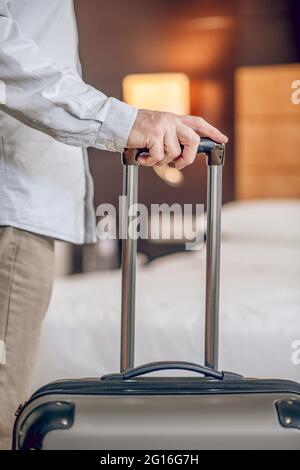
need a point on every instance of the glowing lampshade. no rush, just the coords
(158, 91)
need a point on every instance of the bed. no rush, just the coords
(260, 304)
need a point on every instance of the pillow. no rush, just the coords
(265, 220)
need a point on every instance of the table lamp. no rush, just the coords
(160, 92)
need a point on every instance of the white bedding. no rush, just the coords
(260, 313)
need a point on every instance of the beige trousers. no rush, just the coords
(26, 278)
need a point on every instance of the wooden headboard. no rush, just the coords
(267, 157)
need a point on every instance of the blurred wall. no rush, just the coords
(269, 32)
(132, 36)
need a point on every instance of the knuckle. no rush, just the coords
(201, 121)
(156, 132)
(157, 156)
(194, 139)
(172, 152)
(165, 161)
(168, 120)
(163, 119)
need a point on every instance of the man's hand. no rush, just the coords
(163, 133)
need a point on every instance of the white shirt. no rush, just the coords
(48, 115)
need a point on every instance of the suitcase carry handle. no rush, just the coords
(215, 157)
(159, 366)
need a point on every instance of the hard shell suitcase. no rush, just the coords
(130, 410)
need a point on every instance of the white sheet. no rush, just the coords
(260, 315)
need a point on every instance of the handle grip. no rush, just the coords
(214, 152)
(159, 366)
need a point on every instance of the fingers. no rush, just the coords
(163, 151)
(156, 154)
(190, 140)
(204, 128)
(172, 148)
(163, 133)
(158, 133)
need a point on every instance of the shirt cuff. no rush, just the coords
(116, 127)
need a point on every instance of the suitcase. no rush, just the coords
(207, 410)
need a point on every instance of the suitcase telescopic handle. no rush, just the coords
(215, 157)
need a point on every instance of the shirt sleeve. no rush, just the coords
(56, 100)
